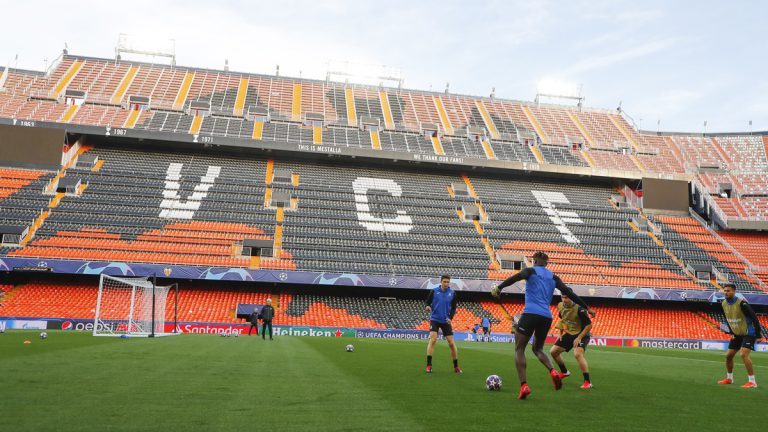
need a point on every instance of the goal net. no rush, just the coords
(132, 307)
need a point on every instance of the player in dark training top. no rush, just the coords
(574, 326)
(441, 304)
(537, 318)
(745, 328)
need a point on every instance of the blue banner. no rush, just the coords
(342, 279)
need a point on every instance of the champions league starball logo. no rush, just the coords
(226, 274)
(642, 293)
(114, 268)
(338, 279)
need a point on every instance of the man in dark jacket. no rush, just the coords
(254, 319)
(267, 313)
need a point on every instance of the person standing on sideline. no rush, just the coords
(745, 328)
(441, 304)
(267, 313)
(486, 329)
(254, 319)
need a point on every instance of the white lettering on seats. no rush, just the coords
(172, 206)
(402, 223)
(547, 201)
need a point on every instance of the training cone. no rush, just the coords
(27, 342)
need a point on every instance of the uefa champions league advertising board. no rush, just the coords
(337, 332)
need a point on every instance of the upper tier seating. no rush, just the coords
(108, 84)
(610, 141)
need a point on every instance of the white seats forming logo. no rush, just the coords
(547, 201)
(402, 223)
(173, 207)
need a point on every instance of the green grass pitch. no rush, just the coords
(74, 381)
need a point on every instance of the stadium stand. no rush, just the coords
(172, 206)
(76, 300)
(601, 247)
(752, 246)
(107, 84)
(745, 154)
(694, 244)
(120, 216)
(610, 142)
(657, 322)
(698, 152)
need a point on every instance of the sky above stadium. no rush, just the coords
(671, 65)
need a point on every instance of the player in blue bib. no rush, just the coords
(537, 318)
(441, 304)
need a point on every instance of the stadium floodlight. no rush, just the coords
(559, 89)
(145, 45)
(133, 307)
(361, 73)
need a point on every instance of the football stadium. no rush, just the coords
(155, 216)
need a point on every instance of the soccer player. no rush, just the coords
(574, 329)
(441, 303)
(745, 329)
(254, 319)
(537, 318)
(475, 330)
(486, 329)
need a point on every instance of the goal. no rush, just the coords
(134, 307)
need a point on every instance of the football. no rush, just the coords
(43, 335)
(493, 383)
(350, 348)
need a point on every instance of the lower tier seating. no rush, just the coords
(204, 303)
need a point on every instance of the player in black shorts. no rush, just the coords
(745, 328)
(574, 329)
(441, 304)
(537, 318)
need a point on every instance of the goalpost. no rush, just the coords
(133, 307)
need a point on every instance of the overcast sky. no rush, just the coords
(680, 62)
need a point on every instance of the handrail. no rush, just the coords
(720, 239)
(712, 203)
(749, 272)
(54, 64)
